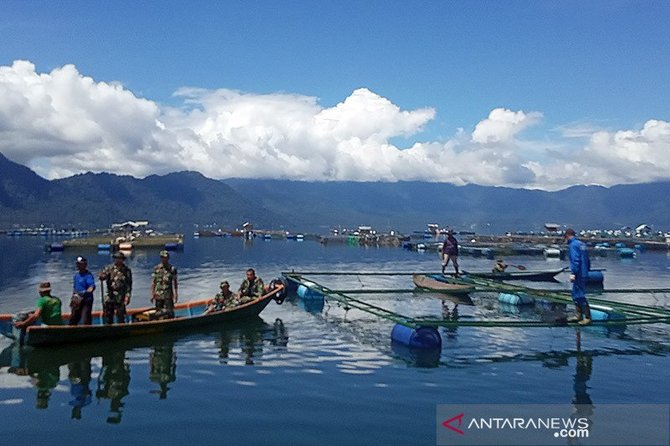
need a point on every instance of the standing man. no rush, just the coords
(252, 287)
(119, 281)
(82, 297)
(579, 273)
(450, 252)
(48, 309)
(164, 284)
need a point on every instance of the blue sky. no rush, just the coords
(599, 66)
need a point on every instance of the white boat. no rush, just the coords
(552, 253)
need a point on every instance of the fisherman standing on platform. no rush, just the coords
(579, 273)
(450, 252)
(164, 284)
(119, 281)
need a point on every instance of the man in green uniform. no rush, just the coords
(48, 309)
(223, 299)
(164, 284)
(119, 281)
(252, 287)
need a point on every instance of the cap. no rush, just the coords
(225, 282)
(82, 259)
(44, 286)
(164, 253)
(119, 255)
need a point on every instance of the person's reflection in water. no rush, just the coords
(449, 316)
(251, 342)
(583, 406)
(225, 339)
(163, 368)
(113, 383)
(43, 377)
(45, 381)
(279, 334)
(80, 379)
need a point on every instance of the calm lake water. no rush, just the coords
(309, 375)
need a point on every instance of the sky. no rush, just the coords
(525, 94)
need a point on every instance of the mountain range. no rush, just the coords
(181, 199)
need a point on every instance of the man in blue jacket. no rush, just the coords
(82, 297)
(579, 273)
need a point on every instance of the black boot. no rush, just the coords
(578, 314)
(587, 315)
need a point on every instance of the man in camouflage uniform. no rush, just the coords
(164, 284)
(224, 299)
(252, 287)
(119, 281)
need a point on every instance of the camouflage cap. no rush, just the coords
(164, 253)
(224, 283)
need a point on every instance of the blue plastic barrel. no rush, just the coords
(640, 247)
(418, 357)
(620, 245)
(305, 292)
(311, 305)
(601, 313)
(626, 253)
(422, 337)
(515, 299)
(595, 277)
(104, 246)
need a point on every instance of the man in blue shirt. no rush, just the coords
(579, 273)
(82, 297)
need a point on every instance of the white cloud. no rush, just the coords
(503, 125)
(624, 156)
(63, 122)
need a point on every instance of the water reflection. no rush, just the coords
(450, 315)
(163, 368)
(79, 375)
(112, 381)
(583, 370)
(250, 339)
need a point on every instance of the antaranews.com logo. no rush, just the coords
(552, 424)
(561, 427)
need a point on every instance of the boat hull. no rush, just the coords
(187, 316)
(535, 276)
(431, 284)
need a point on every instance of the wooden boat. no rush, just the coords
(187, 316)
(431, 284)
(535, 276)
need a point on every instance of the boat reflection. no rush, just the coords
(109, 365)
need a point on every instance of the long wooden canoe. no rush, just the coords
(535, 276)
(187, 316)
(431, 284)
